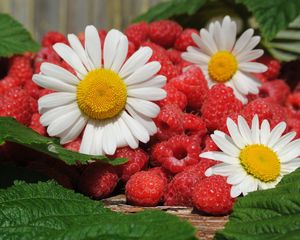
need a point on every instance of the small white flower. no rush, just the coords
(225, 60)
(253, 158)
(110, 102)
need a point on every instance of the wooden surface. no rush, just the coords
(206, 225)
(71, 16)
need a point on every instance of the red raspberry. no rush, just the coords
(74, 145)
(16, 103)
(98, 180)
(273, 112)
(50, 38)
(261, 77)
(294, 125)
(173, 97)
(137, 33)
(275, 91)
(164, 32)
(185, 39)
(33, 105)
(202, 166)
(169, 122)
(131, 49)
(144, 189)
(169, 70)
(273, 65)
(212, 195)
(193, 84)
(137, 160)
(209, 145)
(180, 189)
(8, 83)
(157, 50)
(176, 153)
(35, 124)
(46, 54)
(163, 173)
(44, 92)
(293, 104)
(175, 56)
(32, 88)
(194, 126)
(20, 68)
(218, 105)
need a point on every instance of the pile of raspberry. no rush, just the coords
(167, 170)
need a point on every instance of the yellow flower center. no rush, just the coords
(222, 66)
(261, 162)
(101, 94)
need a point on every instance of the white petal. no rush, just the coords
(249, 56)
(55, 113)
(109, 139)
(202, 56)
(244, 130)
(55, 100)
(291, 150)
(158, 82)
(225, 145)
(58, 72)
(247, 80)
(236, 92)
(290, 166)
(223, 169)
(74, 131)
(235, 191)
(252, 43)
(235, 133)
(53, 83)
(265, 132)
(208, 41)
(79, 50)
(228, 33)
(241, 86)
(111, 43)
(98, 139)
(220, 156)
(93, 46)
(88, 137)
(204, 48)
(145, 121)
(218, 36)
(63, 122)
(195, 57)
(208, 172)
(68, 54)
(276, 134)
(143, 73)
(136, 61)
(121, 54)
(243, 41)
(283, 141)
(236, 177)
(253, 67)
(136, 128)
(121, 139)
(127, 134)
(147, 93)
(255, 132)
(146, 108)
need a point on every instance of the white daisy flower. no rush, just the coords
(253, 158)
(225, 60)
(110, 102)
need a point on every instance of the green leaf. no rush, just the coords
(49, 211)
(14, 38)
(273, 16)
(12, 131)
(270, 214)
(170, 9)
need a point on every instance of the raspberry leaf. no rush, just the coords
(272, 16)
(46, 210)
(268, 214)
(170, 9)
(15, 39)
(12, 131)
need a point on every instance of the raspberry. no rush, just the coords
(176, 153)
(50, 38)
(168, 69)
(193, 84)
(218, 105)
(209, 145)
(169, 122)
(294, 125)
(32, 89)
(173, 97)
(293, 104)
(273, 112)
(35, 124)
(275, 91)
(44, 92)
(131, 49)
(144, 189)
(98, 180)
(185, 39)
(20, 68)
(137, 33)
(16, 103)
(137, 160)
(163, 173)
(261, 77)
(8, 83)
(164, 32)
(33, 105)
(212, 195)
(194, 126)
(175, 56)
(273, 65)
(157, 50)
(74, 145)
(46, 54)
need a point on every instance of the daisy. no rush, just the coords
(253, 158)
(110, 101)
(225, 60)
